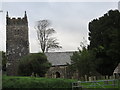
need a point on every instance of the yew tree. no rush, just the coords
(104, 36)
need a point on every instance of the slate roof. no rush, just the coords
(117, 69)
(59, 58)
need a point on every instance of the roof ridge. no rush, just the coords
(61, 52)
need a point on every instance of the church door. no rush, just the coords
(57, 75)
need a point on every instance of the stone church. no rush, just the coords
(17, 46)
(59, 61)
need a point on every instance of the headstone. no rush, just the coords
(32, 75)
(111, 77)
(94, 78)
(114, 76)
(86, 78)
(90, 78)
(36, 75)
(107, 77)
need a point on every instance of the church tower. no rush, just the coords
(17, 42)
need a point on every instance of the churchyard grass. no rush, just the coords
(35, 82)
(48, 83)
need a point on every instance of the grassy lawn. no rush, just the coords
(35, 82)
(49, 83)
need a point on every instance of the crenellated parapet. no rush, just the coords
(16, 21)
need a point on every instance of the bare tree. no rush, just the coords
(44, 35)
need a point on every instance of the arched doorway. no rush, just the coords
(57, 75)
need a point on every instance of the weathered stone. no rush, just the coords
(57, 72)
(59, 62)
(17, 44)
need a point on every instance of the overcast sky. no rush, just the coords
(69, 19)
